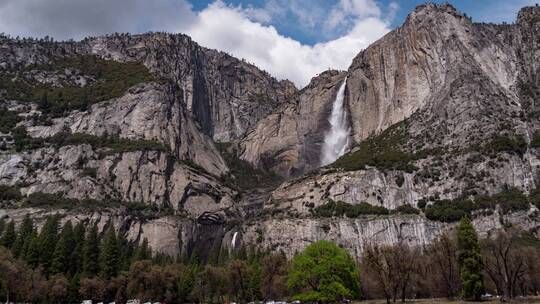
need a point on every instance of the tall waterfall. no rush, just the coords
(336, 140)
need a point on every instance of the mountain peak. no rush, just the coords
(431, 11)
(529, 15)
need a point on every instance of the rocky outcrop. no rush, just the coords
(225, 95)
(175, 236)
(436, 62)
(355, 234)
(149, 112)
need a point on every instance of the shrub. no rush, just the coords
(381, 151)
(114, 143)
(9, 193)
(91, 172)
(512, 144)
(59, 201)
(112, 80)
(509, 200)
(449, 210)
(242, 174)
(407, 209)
(339, 208)
(535, 142)
(8, 120)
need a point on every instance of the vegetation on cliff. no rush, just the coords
(106, 79)
(508, 200)
(381, 151)
(242, 174)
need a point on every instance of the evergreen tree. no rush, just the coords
(9, 235)
(73, 289)
(78, 245)
(64, 248)
(31, 250)
(91, 253)
(109, 254)
(125, 252)
(470, 260)
(27, 226)
(143, 251)
(47, 242)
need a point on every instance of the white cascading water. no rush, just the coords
(336, 140)
(233, 242)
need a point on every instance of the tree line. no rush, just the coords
(71, 263)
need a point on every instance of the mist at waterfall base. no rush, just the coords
(336, 140)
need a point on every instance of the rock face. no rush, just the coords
(225, 95)
(289, 140)
(453, 102)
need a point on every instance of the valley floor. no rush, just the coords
(445, 301)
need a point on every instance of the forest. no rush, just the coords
(73, 262)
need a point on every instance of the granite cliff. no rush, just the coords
(442, 111)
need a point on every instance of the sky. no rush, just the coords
(291, 39)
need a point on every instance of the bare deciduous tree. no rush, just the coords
(442, 257)
(504, 263)
(392, 268)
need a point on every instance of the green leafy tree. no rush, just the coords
(64, 248)
(91, 253)
(470, 261)
(110, 255)
(47, 242)
(324, 272)
(26, 228)
(8, 238)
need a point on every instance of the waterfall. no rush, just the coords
(336, 140)
(233, 242)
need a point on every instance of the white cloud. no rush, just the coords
(244, 32)
(284, 57)
(65, 19)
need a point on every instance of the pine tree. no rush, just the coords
(109, 254)
(91, 253)
(9, 235)
(31, 250)
(73, 289)
(125, 252)
(143, 251)
(470, 261)
(78, 244)
(47, 242)
(64, 248)
(27, 226)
